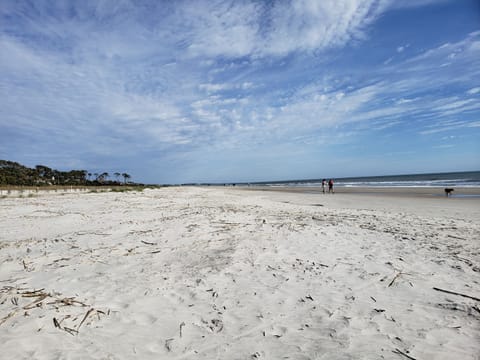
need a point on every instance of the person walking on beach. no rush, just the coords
(330, 186)
(324, 185)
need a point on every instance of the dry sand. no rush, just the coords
(223, 273)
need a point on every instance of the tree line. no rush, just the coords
(13, 173)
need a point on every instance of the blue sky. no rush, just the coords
(217, 91)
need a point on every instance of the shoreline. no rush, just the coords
(414, 203)
(430, 192)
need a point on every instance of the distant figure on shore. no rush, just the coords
(324, 185)
(330, 186)
(448, 191)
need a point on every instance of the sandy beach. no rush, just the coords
(229, 273)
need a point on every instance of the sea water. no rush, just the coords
(453, 179)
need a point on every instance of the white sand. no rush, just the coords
(206, 273)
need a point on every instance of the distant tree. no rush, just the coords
(12, 173)
(89, 175)
(78, 176)
(57, 178)
(44, 172)
(103, 176)
(125, 177)
(117, 175)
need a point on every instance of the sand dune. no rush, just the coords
(209, 273)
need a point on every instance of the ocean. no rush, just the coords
(453, 179)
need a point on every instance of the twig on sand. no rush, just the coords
(181, 326)
(395, 278)
(70, 331)
(397, 351)
(456, 293)
(148, 243)
(456, 237)
(56, 323)
(8, 316)
(36, 303)
(167, 344)
(68, 301)
(33, 293)
(85, 318)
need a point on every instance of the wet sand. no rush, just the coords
(459, 192)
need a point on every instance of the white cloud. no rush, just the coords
(163, 102)
(406, 101)
(402, 48)
(405, 4)
(214, 87)
(447, 125)
(235, 29)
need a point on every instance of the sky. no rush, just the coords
(237, 91)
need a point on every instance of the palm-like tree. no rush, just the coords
(105, 176)
(125, 177)
(117, 175)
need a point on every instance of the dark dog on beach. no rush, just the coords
(448, 191)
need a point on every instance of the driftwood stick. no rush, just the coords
(71, 331)
(395, 278)
(36, 302)
(56, 323)
(148, 243)
(181, 326)
(456, 237)
(456, 293)
(8, 316)
(167, 344)
(397, 351)
(33, 293)
(84, 318)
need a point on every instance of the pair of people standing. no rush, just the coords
(330, 186)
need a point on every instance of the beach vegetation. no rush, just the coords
(128, 188)
(13, 174)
